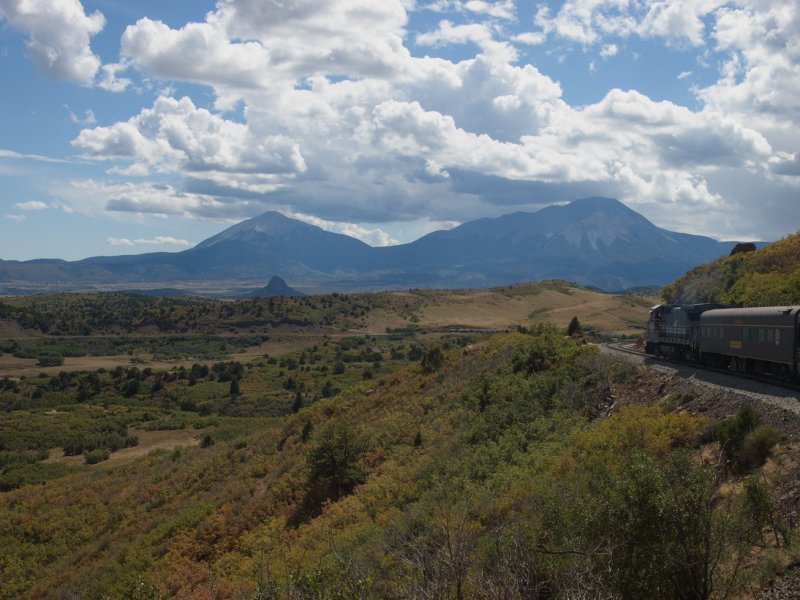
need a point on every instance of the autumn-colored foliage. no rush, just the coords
(494, 473)
(766, 277)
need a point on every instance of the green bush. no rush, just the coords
(743, 440)
(52, 360)
(36, 473)
(544, 349)
(757, 446)
(432, 360)
(95, 456)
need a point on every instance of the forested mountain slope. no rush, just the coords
(766, 277)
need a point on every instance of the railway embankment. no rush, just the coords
(714, 393)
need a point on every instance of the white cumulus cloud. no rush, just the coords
(336, 118)
(58, 36)
(176, 135)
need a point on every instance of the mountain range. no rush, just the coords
(592, 241)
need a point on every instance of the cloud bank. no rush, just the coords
(339, 111)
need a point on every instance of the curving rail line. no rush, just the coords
(627, 348)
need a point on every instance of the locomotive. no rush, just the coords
(763, 340)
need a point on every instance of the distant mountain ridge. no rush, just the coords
(592, 241)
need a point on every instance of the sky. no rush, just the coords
(131, 127)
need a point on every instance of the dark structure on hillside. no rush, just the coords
(743, 247)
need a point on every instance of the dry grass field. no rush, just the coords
(497, 308)
(520, 304)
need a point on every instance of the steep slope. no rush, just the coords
(766, 277)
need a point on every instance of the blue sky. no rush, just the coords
(130, 127)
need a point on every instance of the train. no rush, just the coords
(763, 340)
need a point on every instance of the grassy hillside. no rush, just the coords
(766, 277)
(90, 331)
(117, 314)
(490, 467)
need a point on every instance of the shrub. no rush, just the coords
(432, 360)
(96, 456)
(743, 440)
(36, 473)
(543, 350)
(49, 360)
(758, 446)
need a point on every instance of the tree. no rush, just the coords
(574, 326)
(298, 402)
(335, 461)
(307, 429)
(328, 390)
(131, 388)
(234, 387)
(432, 360)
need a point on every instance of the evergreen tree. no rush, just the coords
(574, 326)
(298, 402)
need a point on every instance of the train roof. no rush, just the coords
(687, 307)
(757, 312)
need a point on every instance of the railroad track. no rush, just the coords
(628, 348)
